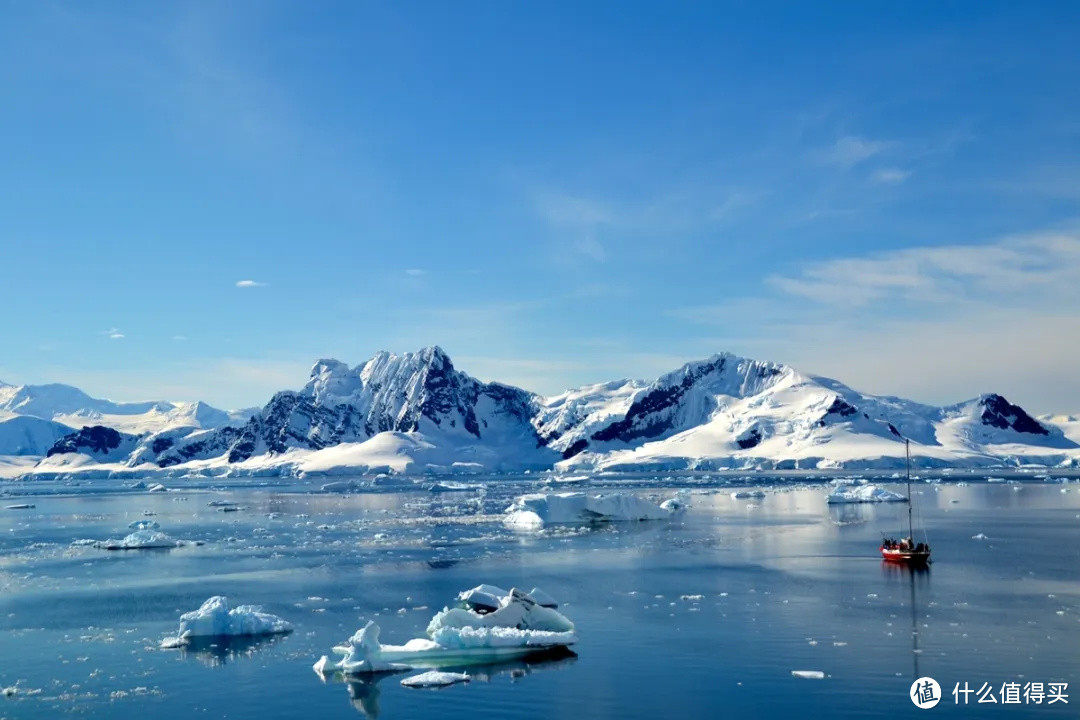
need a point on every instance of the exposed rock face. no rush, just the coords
(1000, 413)
(93, 440)
(412, 392)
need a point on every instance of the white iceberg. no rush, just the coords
(434, 678)
(142, 539)
(809, 674)
(863, 494)
(216, 619)
(467, 634)
(538, 509)
(740, 494)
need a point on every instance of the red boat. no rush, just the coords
(903, 552)
(906, 551)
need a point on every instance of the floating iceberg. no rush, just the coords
(809, 674)
(863, 494)
(142, 539)
(740, 494)
(539, 509)
(486, 626)
(215, 619)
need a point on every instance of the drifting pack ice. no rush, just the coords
(216, 619)
(486, 624)
(539, 509)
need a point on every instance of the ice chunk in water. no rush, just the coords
(144, 539)
(809, 674)
(538, 509)
(434, 678)
(518, 626)
(216, 619)
(863, 494)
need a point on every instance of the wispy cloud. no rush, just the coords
(1028, 269)
(934, 323)
(851, 150)
(179, 338)
(249, 284)
(112, 334)
(890, 176)
(415, 272)
(588, 225)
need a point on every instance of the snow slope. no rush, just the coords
(28, 435)
(73, 407)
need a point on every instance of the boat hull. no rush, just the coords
(908, 557)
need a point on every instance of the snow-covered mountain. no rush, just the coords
(444, 415)
(72, 407)
(730, 412)
(417, 413)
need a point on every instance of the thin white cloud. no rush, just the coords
(179, 338)
(890, 176)
(937, 324)
(1031, 269)
(112, 334)
(415, 272)
(249, 284)
(586, 226)
(850, 150)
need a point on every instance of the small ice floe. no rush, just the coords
(445, 486)
(342, 486)
(143, 538)
(470, 632)
(20, 506)
(674, 505)
(157, 488)
(215, 619)
(980, 536)
(741, 494)
(863, 494)
(221, 504)
(434, 678)
(809, 674)
(569, 479)
(692, 598)
(539, 509)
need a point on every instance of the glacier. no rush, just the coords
(416, 414)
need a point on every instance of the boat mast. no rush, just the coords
(907, 452)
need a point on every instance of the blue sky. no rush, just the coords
(557, 193)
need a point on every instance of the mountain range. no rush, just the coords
(416, 413)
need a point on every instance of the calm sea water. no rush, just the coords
(703, 616)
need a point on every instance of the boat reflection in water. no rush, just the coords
(364, 690)
(917, 579)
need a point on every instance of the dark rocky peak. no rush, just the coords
(94, 439)
(1000, 413)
